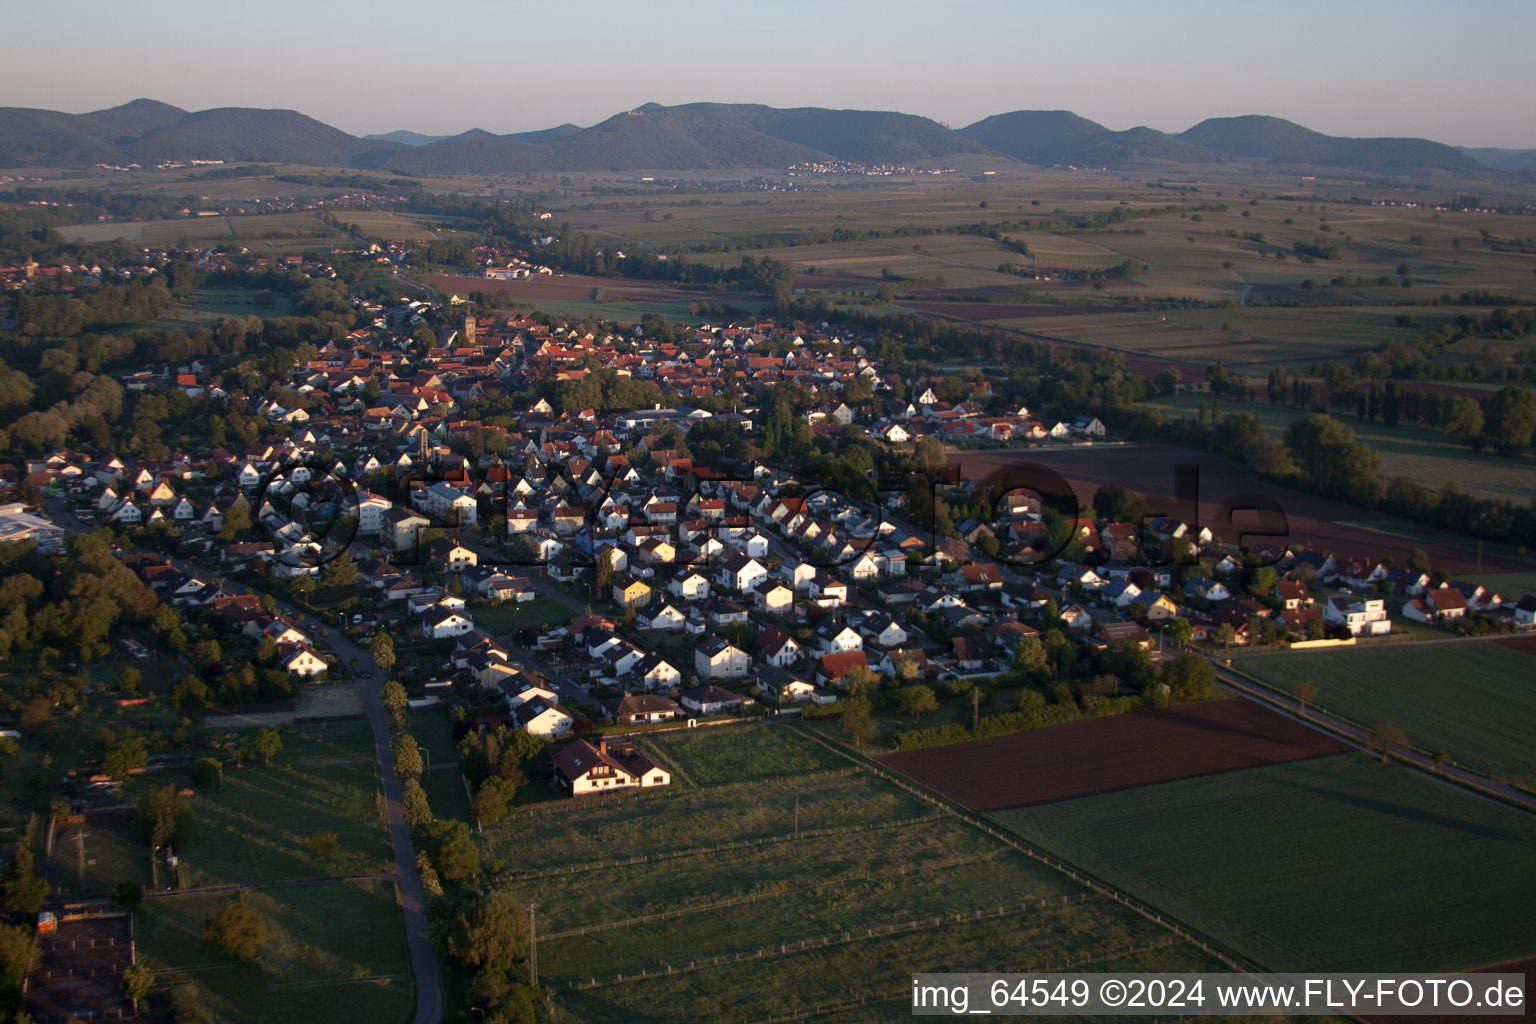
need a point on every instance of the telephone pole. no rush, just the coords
(80, 837)
(533, 947)
(797, 815)
(975, 708)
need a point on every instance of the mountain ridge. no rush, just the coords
(698, 136)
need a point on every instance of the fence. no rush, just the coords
(834, 939)
(744, 844)
(858, 999)
(665, 915)
(1210, 946)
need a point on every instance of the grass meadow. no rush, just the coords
(1430, 457)
(1472, 698)
(1336, 863)
(334, 952)
(632, 887)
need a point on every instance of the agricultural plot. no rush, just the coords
(1472, 698)
(1430, 457)
(712, 757)
(207, 306)
(1310, 865)
(1102, 755)
(709, 904)
(335, 952)
(258, 826)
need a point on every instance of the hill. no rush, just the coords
(1049, 137)
(699, 135)
(1514, 161)
(146, 131)
(407, 138)
(1274, 138)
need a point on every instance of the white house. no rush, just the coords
(714, 658)
(541, 716)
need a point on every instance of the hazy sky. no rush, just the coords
(1459, 73)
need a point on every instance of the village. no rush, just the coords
(570, 573)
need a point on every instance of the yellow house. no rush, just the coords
(631, 591)
(1162, 609)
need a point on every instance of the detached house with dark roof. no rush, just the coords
(582, 769)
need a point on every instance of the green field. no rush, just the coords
(445, 793)
(740, 753)
(1336, 863)
(1430, 457)
(335, 952)
(875, 885)
(1472, 697)
(540, 613)
(433, 728)
(207, 306)
(255, 829)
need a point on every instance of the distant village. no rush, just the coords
(670, 586)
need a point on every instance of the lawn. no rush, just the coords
(649, 888)
(334, 952)
(540, 613)
(256, 829)
(445, 793)
(682, 820)
(1430, 457)
(1473, 698)
(709, 757)
(433, 728)
(1337, 863)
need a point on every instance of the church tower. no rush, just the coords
(469, 328)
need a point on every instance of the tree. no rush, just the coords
(492, 799)
(126, 755)
(137, 981)
(1032, 659)
(237, 931)
(323, 845)
(1181, 630)
(340, 572)
(208, 773)
(452, 849)
(491, 935)
(859, 727)
(267, 743)
(413, 803)
(18, 958)
(1512, 418)
(1386, 738)
(383, 652)
(164, 815)
(1305, 693)
(187, 1003)
(1189, 677)
(24, 891)
(916, 700)
(407, 757)
(394, 697)
(126, 896)
(1418, 560)
(1226, 634)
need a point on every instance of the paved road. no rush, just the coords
(1322, 721)
(424, 966)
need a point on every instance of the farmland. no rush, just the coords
(207, 306)
(256, 828)
(1472, 698)
(334, 952)
(783, 906)
(1104, 755)
(1319, 523)
(1430, 457)
(1310, 865)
